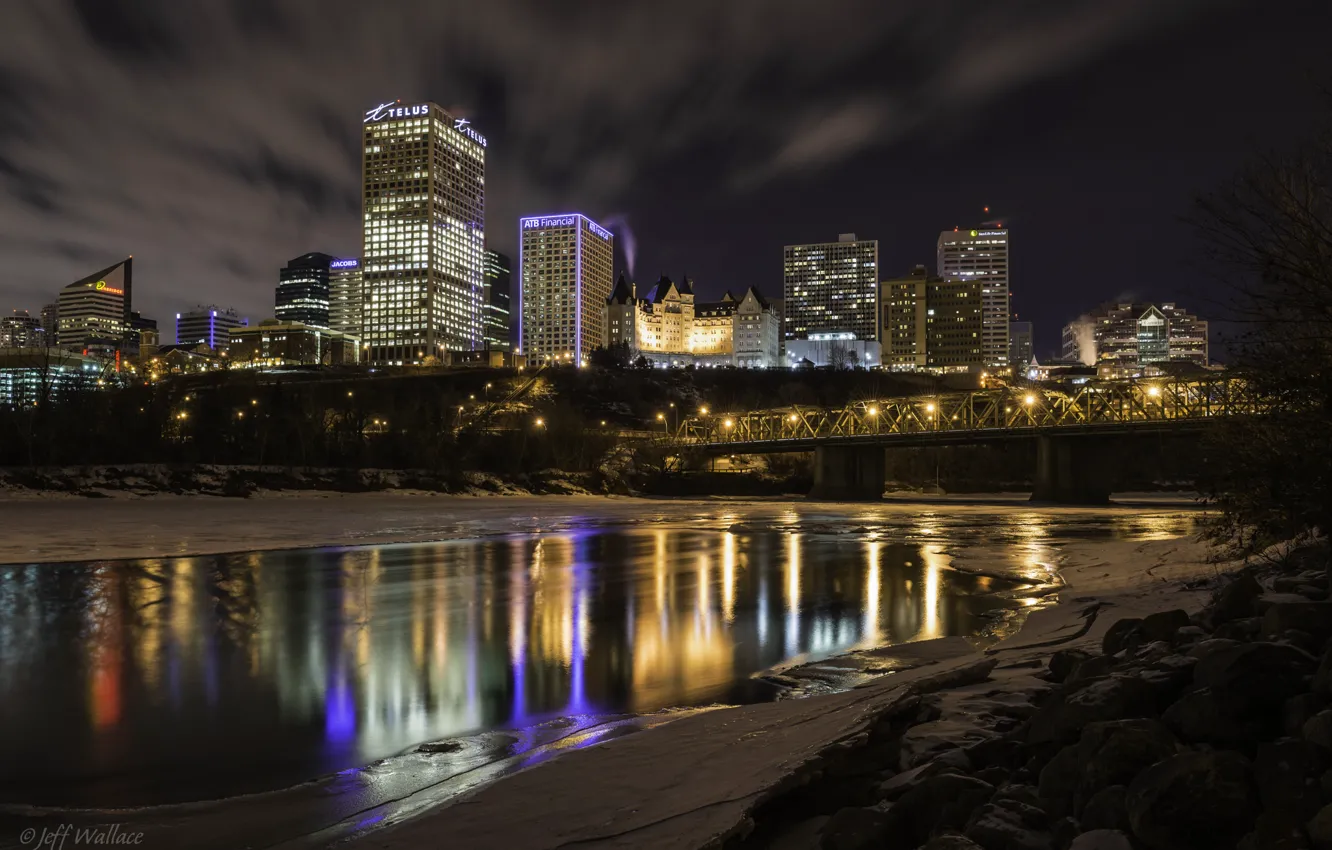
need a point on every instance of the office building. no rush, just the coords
(20, 329)
(208, 326)
(344, 295)
(496, 297)
(830, 293)
(423, 218)
(982, 255)
(1020, 349)
(565, 266)
(932, 323)
(302, 290)
(94, 311)
(275, 343)
(1121, 339)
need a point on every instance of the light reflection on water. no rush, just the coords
(172, 679)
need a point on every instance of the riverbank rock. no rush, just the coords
(1198, 800)
(1102, 839)
(1062, 717)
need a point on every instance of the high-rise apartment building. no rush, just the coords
(498, 287)
(50, 323)
(302, 291)
(831, 288)
(344, 295)
(423, 214)
(20, 329)
(1123, 338)
(208, 325)
(932, 322)
(982, 255)
(565, 266)
(94, 312)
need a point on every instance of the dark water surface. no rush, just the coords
(154, 681)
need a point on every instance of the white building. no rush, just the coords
(424, 201)
(565, 268)
(831, 291)
(982, 255)
(344, 295)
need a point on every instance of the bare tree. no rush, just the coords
(1270, 232)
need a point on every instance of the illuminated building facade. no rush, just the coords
(344, 295)
(831, 293)
(1122, 338)
(982, 255)
(565, 265)
(302, 292)
(207, 326)
(932, 323)
(94, 311)
(499, 283)
(20, 330)
(423, 215)
(670, 328)
(275, 343)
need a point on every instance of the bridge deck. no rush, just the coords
(1103, 408)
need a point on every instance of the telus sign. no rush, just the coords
(393, 110)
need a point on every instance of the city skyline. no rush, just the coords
(213, 215)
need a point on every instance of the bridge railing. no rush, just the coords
(1007, 408)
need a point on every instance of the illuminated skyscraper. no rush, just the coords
(344, 295)
(93, 311)
(982, 255)
(565, 263)
(423, 174)
(831, 295)
(207, 325)
(302, 293)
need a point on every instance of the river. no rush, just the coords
(141, 682)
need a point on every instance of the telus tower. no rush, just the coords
(423, 238)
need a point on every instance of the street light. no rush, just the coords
(873, 411)
(1153, 391)
(1029, 400)
(727, 424)
(929, 408)
(540, 423)
(703, 411)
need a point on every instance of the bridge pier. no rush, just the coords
(1073, 470)
(848, 473)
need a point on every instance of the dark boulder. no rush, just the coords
(1093, 668)
(1234, 601)
(1314, 618)
(1319, 828)
(1102, 839)
(1242, 630)
(1297, 710)
(1287, 775)
(1164, 624)
(1224, 718)
(1064, 661)
(1058, 783)
(1263, 673)
(1062, 718)
(1122, 634)
(1010, 825)
(855, 828)
(1107, 809)
(1318, 730)
(951, 842)
(1322, 681)
(1204, 648)
(942, 802)
(1114, 752)
(1201, 800)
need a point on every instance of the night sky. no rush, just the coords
(214, 141)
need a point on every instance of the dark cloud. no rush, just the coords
(181, 132)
